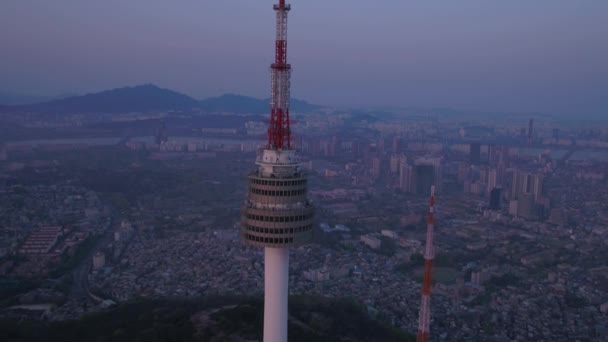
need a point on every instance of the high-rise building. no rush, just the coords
(525, 206)
(394, 163)
(483, 175)
(334, 146)
(380, 145)
(375, 167)
(370, 151)
(518, 183)
(536, 188)
(527, 183)
(396, 144)
(424, 177)
(277, 214)
(492, 180)
(513, 205)
(530, 129)
(329, 146)
(357, 149)
(494, 154)
(406, 175)
(464, 170)
(427, 172)
(501, 171)
(495, 197)
(475, 153)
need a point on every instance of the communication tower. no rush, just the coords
(277, 213)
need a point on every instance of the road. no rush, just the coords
(80, 284)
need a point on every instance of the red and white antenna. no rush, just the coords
(424, 318)
(279, 132)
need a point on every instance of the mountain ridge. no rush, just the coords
(148, 98)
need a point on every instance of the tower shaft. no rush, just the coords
(424, 318)
(276, 281)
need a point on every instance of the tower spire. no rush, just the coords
(424, 317)
(279, 132)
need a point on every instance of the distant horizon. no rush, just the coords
(74, 94)
(56, 97)
(48, 98)
(518, 56)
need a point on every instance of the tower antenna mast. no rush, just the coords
(424, 318)
(279, 131)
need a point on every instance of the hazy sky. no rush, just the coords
(513, 55)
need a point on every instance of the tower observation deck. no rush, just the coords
(277, 214)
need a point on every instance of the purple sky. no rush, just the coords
(516, 55)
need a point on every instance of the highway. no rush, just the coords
(80, 283)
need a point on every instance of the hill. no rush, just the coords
(301, 106)
(15, 99)
(212, 319)
(142, 98)
(10, 99)
(232, 103)
(149, 98)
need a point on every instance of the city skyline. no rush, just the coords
(541, 57)
(140, 213)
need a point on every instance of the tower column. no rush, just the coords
(277, 213)
(276, 281)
